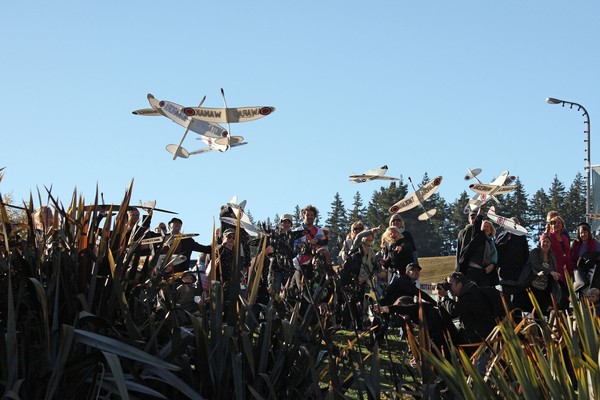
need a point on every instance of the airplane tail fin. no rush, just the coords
(177, 151)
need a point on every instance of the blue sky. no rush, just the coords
(430, 87)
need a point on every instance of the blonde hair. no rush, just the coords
(493, 228)
(387, 236)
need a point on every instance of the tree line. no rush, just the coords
(437, 236)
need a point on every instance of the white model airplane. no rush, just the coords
(371, 175)
(245, 222)
(485, 192)
(417, 198)
(507, 223)
(204, 122)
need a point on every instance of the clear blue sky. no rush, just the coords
(430, 87)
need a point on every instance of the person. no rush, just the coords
(186, 245)
(437, 320)
(562, 254)
(513, 253)
(360, 279)
(405, 285)
(585, 253)
(312, 234)
(545, 276)
(282, 266)
(593, 296)
(355, 229)
(227, 210)
(478, 259)
(187, 292)
(161, 229)
(472, 307)
(464, 237)
(397, 221)
(397, 250)
(43, 220)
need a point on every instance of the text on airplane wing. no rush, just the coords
(240, 114)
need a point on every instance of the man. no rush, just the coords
(472, 307)
(465, 235)
(405, 285)
(282, 242)
(312, 235)
(513, 253)
(186, 245)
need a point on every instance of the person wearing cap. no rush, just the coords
(405, 285)
(187, 291)
(186, 245)
(282, 242)
(585, 254)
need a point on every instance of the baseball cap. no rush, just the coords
(286, 216)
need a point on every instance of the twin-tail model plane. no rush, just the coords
(205, 122)
(372, 175)
(485, 192)
(417, 198)
(506, 223)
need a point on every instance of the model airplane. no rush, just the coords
(485, 192)
(417, 198)
(204, 122)
(507, 223)
(371, 175)
(245, 222)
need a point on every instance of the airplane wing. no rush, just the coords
(147, 112)
(364, 178)
(228, 115)
(506, 223)
(490, 189)
(248, 227)
(424, 192)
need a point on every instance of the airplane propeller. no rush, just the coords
(177, 151)
(227, 117)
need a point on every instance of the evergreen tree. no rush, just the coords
(456, 219)
(538, 208)
(297, 216)
(428, 234)
(359, 211)
(337, 224)
(515, 204)
(556, 196)
(381, 201)
(574, 209)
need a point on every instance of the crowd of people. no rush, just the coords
(374, 286)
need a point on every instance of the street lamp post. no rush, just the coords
(588, 159)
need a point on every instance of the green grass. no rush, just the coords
(436, 269)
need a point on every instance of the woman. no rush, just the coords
(397, 250)
(585, 251)
(397, 221)
(545, 276)
(480, 255)
(356, 228)
(562, 255)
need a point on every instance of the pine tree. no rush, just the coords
(539, 205)
(515, 204)
(456, 219)
(556, 195)
(574, 209)
(381, 201)
(359, 211)
(337, 224)
(297, 216)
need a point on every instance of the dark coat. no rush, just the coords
(402, 286)
(475, 312)
(513, 252)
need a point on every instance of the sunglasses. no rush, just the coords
(357, 229)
